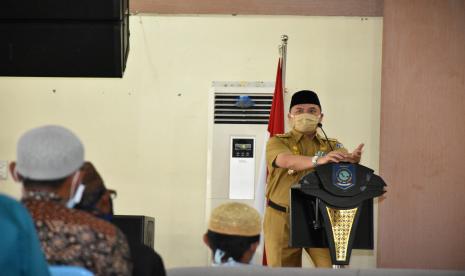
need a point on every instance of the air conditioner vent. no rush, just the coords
(237, 108)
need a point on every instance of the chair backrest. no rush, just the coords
(253, 270)
(63, 270)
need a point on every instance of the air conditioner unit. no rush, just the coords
(238, 119)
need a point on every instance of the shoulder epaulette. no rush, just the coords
(329, 139)
(284, 135)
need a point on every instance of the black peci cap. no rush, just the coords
(305, 97)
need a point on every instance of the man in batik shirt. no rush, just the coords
(49, 161)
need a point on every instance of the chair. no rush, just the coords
(64, 270)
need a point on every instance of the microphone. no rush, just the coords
(327, 141)
(316, 222)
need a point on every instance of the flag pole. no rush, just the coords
(275, 126)
(283, 53)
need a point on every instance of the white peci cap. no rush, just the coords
(49, 153)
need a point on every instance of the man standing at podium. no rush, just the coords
(289, 157)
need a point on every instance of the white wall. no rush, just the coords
(147, 133)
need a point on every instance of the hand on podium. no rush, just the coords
(332, 157)
(338, 156)
(356, 155)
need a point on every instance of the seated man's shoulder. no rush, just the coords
(50, 214)
(98, 225)
(12, 209)
(9, 204)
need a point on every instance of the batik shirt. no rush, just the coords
(74, 237)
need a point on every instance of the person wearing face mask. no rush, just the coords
(233, 234)
(291, 156)
(49, 161)
(98, 201)
(96, 198)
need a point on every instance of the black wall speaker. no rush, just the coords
(64, 9)
(138, 229)
(66, 38)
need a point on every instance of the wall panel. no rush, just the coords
(264, 7)
(422, 218)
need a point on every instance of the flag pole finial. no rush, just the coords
(284, 38)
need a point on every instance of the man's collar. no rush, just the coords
(298, 135)
(320, 139)
(41, 195)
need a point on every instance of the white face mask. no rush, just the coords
(76, 198)
(305, 122)
(218, 259)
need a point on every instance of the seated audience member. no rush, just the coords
(20, 251)
(146, 261)
(98, 200)
(48, 164)
(233, 234)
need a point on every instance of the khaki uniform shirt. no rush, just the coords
(280, 180)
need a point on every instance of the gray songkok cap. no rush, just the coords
(49, 153)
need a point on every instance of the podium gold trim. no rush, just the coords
(341, 223)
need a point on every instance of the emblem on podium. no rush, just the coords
(344, 176)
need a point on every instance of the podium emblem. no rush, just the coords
(344, 176)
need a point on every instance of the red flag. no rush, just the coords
(276, 121)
